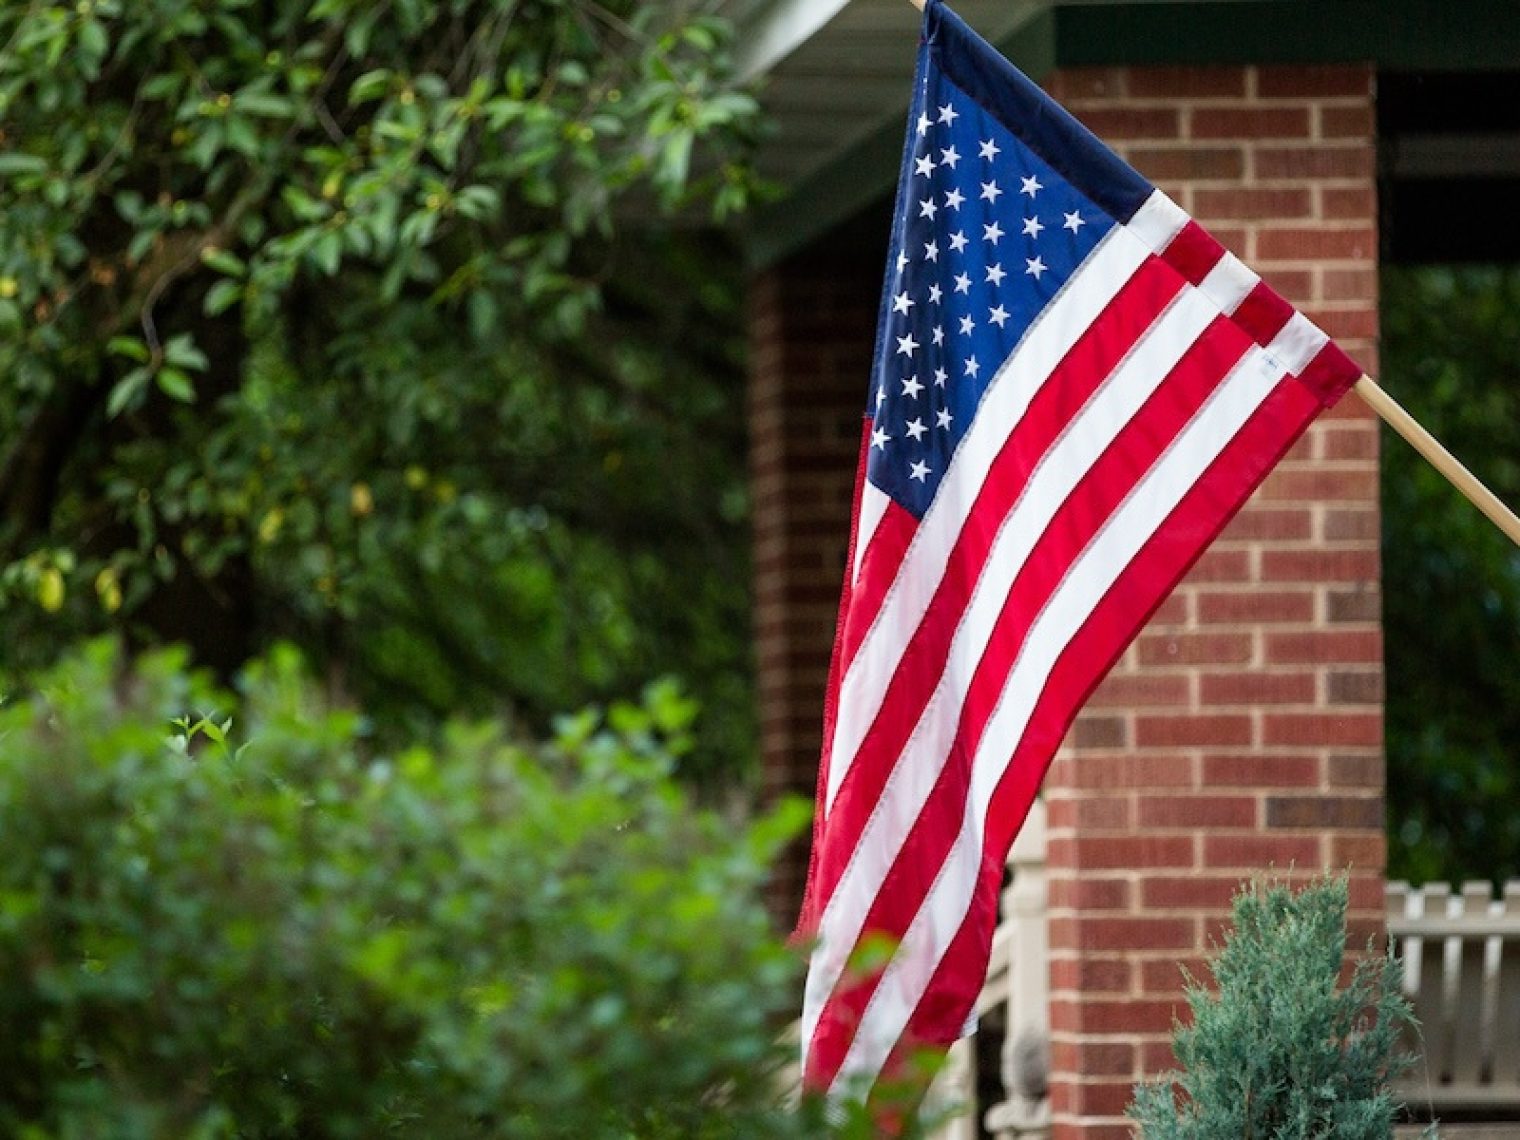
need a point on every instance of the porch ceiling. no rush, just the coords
(834, 75)
(834, 71)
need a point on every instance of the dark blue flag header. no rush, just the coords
(987, 230)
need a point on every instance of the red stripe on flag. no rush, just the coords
(1330, 374)
(1193, 252)
(1263, 313)
(878, 569)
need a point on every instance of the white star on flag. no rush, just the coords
(1033, 226)
(948, 114)
(943, 418)
(990, 149)
(935, 293)
(927, 208)
(879, 438)
(949, 157)
(920, 471)
(962, 283)
(925, 165)
(967, 325)
(998, 316)
(1031, 186)
(990, 191)
(1036, 266)
(906, 345)
(958, 241)
(992, 232)
(911, 387)
(995, 274)
(915, 428)
(953, 199)
(902, 303)
(1073, 222)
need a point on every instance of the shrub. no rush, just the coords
(296, 938)
(1283, 1052)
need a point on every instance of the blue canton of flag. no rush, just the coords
(986, 234)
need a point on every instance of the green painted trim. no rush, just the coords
(1396, 35)
(863, 173)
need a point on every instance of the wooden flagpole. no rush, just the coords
(1427, 445)
(1439, 458)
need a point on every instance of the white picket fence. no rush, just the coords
(1461, 955)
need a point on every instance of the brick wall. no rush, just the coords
(812, 322)
(1243, 729)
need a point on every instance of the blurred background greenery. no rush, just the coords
(257, 926)
(322, 328)
(1451, 580)
(320, 322)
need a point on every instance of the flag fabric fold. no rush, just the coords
(1074, 388)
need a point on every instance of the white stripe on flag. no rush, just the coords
(1228, 283)
(873, 504)
(1297, 344)
(1157, 221)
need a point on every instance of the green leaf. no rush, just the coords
(182, 352)
(15, 162)
(128, 391)
(327, 251)
(675, 160)
(129, 205)
(92, 38)
(141, 242)
(221, 297)
(701, 37)
(224, 261)
(129, 346)
(370, 85)
(163, 86)
(263, 105)
(176, 384)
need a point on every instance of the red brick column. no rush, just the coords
(812, 321)
(1243, 729)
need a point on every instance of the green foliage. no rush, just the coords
(317, 325)
(1282, 1052)
(1451, 578)
(299, 936)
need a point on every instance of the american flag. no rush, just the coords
(1074, 388)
